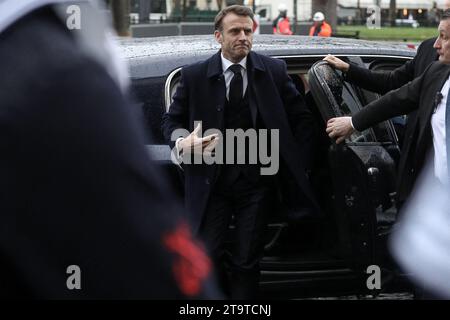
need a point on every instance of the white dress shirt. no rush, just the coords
(439, 145)
(228, 74)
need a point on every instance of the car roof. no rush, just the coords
(158, 56)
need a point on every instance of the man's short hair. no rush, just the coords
(445, 15)
(236, 9)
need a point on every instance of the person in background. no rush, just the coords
(320, 27)
(281, 24)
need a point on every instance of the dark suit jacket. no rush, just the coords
(76, 184)
(419, 95)
(383, 82)
(273, 98)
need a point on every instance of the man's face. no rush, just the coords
(442, 44)
(236, 37)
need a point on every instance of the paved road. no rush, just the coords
(382, 296)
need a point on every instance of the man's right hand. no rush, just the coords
(340, 128)
(194, 144)
(337, 63)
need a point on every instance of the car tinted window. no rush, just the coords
(345, 101)
(172, 83)
(384, 131)
(147, 93)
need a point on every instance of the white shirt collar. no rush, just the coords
(227, 63)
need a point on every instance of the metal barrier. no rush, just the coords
(193, 28)
(347, 34)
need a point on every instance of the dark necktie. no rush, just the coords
(447, 134)
(236, 85)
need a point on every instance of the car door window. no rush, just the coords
(386, 131)
(172, 83)
(343, 99)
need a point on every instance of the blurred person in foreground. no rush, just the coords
(421, 238)
(77, 187)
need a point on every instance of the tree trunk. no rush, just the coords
(294, 29)
(392, 12)
(328, 8)
(176, 10)
(176, 4)
(121, 16)
(219, 4)
(183, 13)
(359, 15)
(144, 10)
(233, 2)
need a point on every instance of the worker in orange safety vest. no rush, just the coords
(281, 24)
(320, 27)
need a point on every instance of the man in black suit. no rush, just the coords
(384, 81)
(239, 89)
(426, 94)
(84, 214)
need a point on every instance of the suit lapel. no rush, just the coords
(265, 103)
(253, 105)
(438, 83)
(217, 94)
(431, 101)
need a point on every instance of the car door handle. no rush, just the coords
(373, 171)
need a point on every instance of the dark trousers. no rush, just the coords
(249, 202)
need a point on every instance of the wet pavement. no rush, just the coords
(381, 296)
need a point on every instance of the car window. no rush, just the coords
(344, 101)
(385, 131)
(172, 83)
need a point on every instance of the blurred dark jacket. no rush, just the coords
(385, 81)
(419, 95)
(76, 184)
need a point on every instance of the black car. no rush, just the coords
(353, 181)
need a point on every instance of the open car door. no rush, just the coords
(362, 171)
